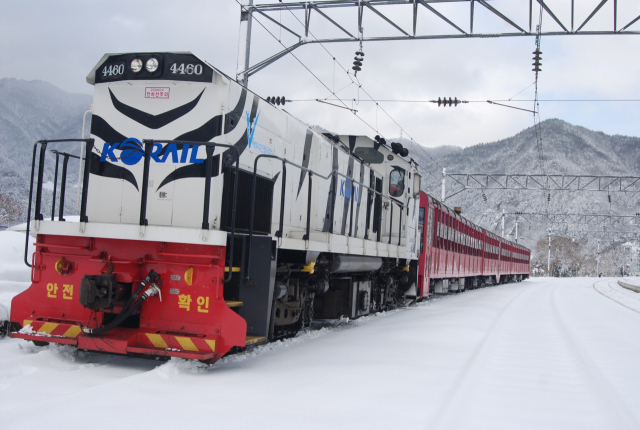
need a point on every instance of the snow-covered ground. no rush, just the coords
(541, 354)
(633, 280)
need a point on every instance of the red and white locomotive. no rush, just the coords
(211, 220)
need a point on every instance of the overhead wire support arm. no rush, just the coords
(323, 7)
(278, 23)
(552, 15)
(333, 22)
(512, 107)
(592, 15)
(488, 181)
(341, 107)
(441, 16)
(498, 13)
(577, 218)
(377, 12)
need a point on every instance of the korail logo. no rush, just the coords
(251, 129)
(348, 189)
(132, 151)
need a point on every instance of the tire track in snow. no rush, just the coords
(606, 290)
(529, 374)
(452, 399)
(604, 388)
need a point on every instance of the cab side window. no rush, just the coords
(396, 182)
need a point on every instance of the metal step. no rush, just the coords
(233, 303)
(255, 339)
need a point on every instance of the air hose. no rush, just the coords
(131, 305)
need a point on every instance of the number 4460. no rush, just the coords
(186, 69)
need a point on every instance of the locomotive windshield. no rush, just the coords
(396, 182)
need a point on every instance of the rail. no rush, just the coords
(85, 183)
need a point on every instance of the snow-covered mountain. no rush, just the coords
(566, 149)
(30, 111)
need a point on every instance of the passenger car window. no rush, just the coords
(396, 182)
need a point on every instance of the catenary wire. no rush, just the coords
(368, 95)
(309, 70)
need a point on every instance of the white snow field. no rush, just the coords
(541, 354)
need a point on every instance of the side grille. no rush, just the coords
(263, 202)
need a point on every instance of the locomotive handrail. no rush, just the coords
(210, 147)
(282, 194)
(37, 215)
(63, 183)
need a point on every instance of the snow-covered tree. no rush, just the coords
(9, 209)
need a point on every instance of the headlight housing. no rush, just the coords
(136, 65)
(152, 65)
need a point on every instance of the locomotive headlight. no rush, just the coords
(136, 65)
(152, 65)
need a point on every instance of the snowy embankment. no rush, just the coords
(632, 284)
(541, 354)
(14, 274)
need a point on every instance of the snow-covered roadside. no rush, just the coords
(14, 274)
(632, 284)
(623, 296)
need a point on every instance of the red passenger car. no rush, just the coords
(456, 254)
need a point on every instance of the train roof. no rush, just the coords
(492, 235)
(367, 149)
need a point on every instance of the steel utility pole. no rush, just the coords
(549, 258)
(598, 260)
(244, 44)
(444, 176)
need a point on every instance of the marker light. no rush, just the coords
(136, 65)
(152, 65)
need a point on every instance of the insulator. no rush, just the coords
(278, 101)
(357, 63)
(358, 58)
(439, 101)
(450, 101)
(609, 196)
(484, 197)
(455, 102)
(549, 197)
(282, 100)
(268, 99)
(377, 138)
(356, 68)
(360, 53)
(536, 70)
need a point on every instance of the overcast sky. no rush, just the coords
(60, 41)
